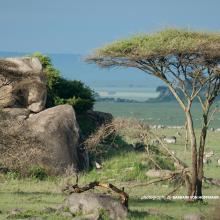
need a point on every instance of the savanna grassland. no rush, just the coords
(123, 166)
(164, 113)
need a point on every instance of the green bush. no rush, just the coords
(12, 175)
(63, 91)
(37, 172)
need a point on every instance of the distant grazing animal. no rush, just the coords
(206, 160)
(209, 154)
(170, 140)
(160, 126)
(218, 162)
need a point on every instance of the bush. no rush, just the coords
(12, 175)
(37, 172)
(80, 105)
(63, 91)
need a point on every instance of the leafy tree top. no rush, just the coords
(164, 43)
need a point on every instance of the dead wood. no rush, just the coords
(212, 181)
(76, 189)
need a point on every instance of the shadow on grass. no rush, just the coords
(138, 214)
(110, 149)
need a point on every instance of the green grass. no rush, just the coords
(35, 196)
(155, 113)
(121, 166)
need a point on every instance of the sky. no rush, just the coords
(79, 26)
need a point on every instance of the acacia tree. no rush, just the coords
(188, 63)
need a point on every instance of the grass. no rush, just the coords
(121, 166)
(35, 196)
(168, 113)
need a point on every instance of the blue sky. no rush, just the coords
(78, 26)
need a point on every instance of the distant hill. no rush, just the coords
(72, 66)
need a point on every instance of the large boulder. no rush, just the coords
(36, 136)
(18, 114)
(22, 84)
(49, 139)
(58, 130)
(91, 204)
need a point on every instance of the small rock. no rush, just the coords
(92, 203)
(218, 162)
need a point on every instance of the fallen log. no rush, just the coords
(76, 189)
(212, 181)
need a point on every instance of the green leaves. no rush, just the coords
(166, 42)
(62, 91)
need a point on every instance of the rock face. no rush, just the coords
(57, 128)
(91, 204)
(22, 84)
(23, 97)
(54, 132)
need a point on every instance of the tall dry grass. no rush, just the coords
(19, 148)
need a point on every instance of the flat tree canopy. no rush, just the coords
(164, 43)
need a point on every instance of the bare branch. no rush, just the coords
(76, 189)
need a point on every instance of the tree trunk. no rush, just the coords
(186, 139)
(200, 157)
(192, 138)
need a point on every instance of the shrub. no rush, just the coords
(37, 172)
(63, 91)
(12, 175)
